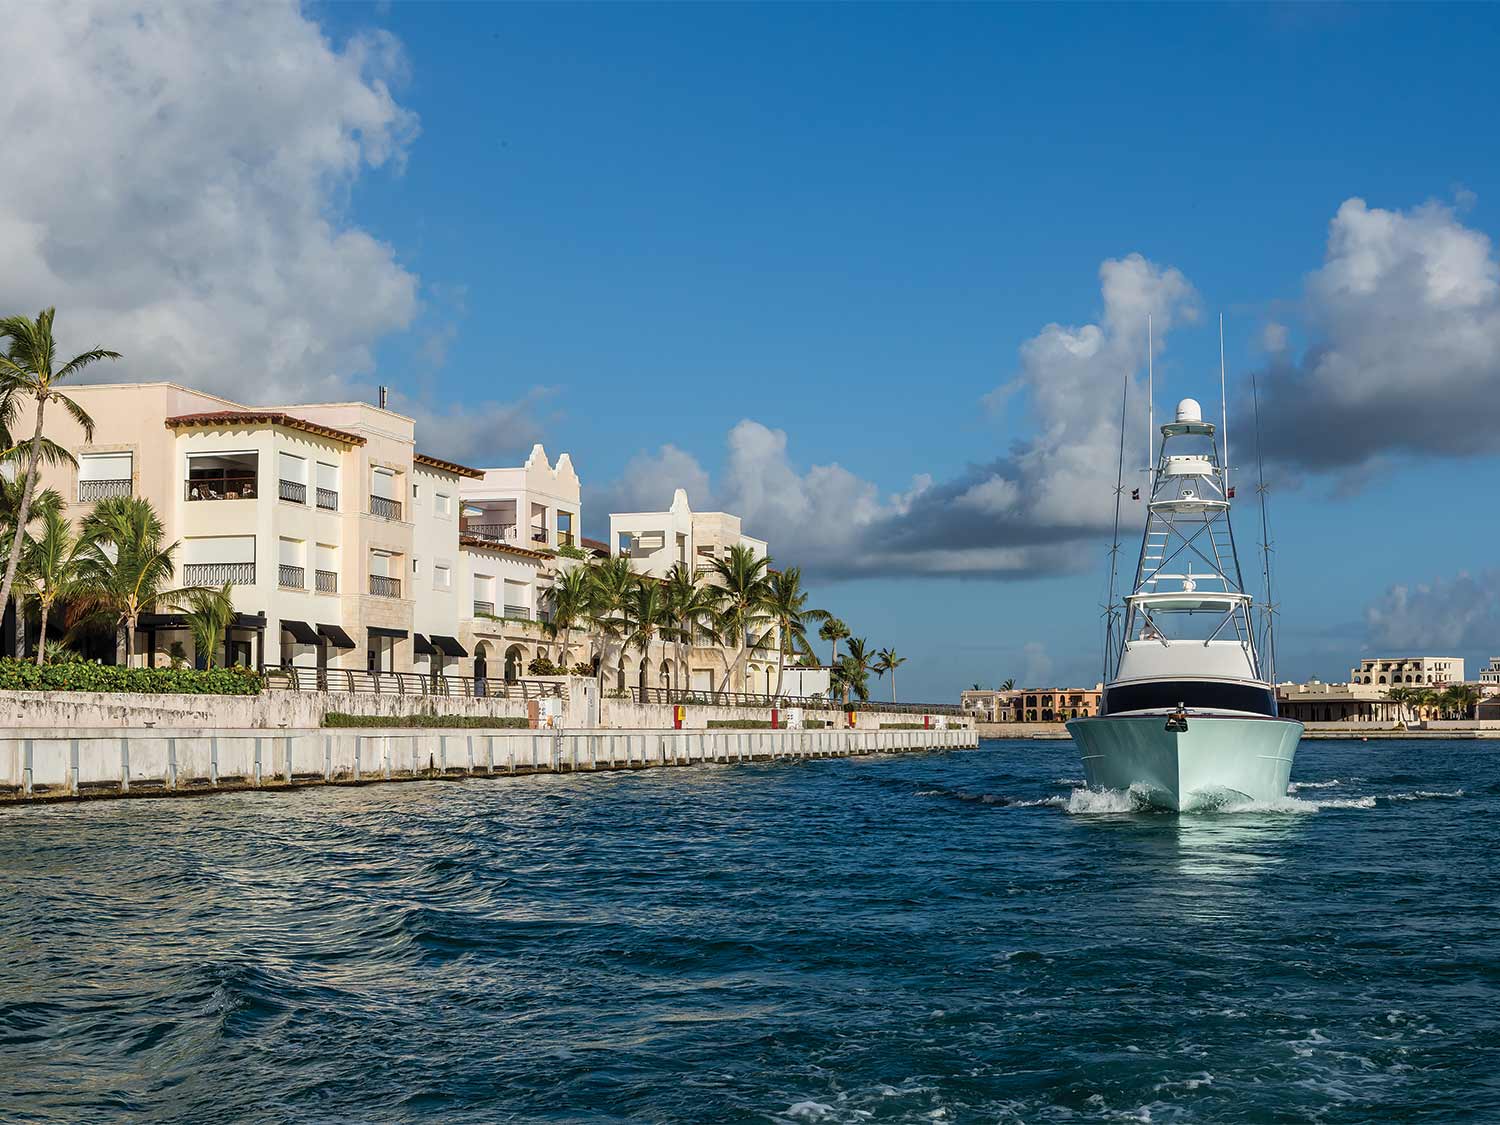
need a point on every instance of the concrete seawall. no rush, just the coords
(45, 765)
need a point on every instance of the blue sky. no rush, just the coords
(624, 227)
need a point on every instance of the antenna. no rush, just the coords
(1265, 539)
(1224, 407)
(1150, 407)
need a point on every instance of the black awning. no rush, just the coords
(421, 645)
(381, 631)
(336, 636)
(301, 631)
(449, 646)
(179, 621)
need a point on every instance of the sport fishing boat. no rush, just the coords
(1188, 717)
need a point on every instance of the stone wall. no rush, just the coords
(45, 764)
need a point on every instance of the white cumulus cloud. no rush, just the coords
(1404, 323)
(175, 186)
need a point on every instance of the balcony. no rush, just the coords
(565, 539)
(216, 574)
(90, 491)
(328, 499)
(291, 577)
(521, 611)
(385, 508)
(500, 532)
(215, 485)
(383, 586)
(484, 609)
(294, 490)
(539, 535)
(326, 581)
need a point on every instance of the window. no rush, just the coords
(326, 577)
(416, 565)
(416, 491)
(291, 571)
(222, 476)
(216, 559)
(292, 485)
(328, 486)
(442, 577)
(383, 493)
(102, 475)
(442, 505)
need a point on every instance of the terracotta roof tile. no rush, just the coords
(447, 466)
(261, 418)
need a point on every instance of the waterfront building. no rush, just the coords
(1033, 705)
(339, 539)
(1390, 671)
(1489, 678)
(536, 505)
(1319, 702)
(654, 542)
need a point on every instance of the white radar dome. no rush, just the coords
(1188, 410)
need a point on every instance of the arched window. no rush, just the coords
(515, 662)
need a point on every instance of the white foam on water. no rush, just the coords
(1298, 786)
(1093, 802)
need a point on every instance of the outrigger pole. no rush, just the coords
(1265, 539)
(1114, 549)
(1224, 408)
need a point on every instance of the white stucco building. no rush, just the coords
(655, 541)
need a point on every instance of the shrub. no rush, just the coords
(340, 719)
(583, 668)
(541, 666)
(23, 675)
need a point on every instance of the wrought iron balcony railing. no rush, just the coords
(385, 508)
(483, 609)
(291, 577)
(328, 499)
(518, 611)
(326, 581)
(216, 574)
(294, 490)
(91, 490)
(497, 531)
(384, 587)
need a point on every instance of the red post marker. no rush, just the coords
(775, 718)
(927, 721)
(679, 713)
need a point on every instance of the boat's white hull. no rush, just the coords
(1217, 758)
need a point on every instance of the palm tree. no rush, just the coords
(569, 601)
(648, 617)
(611, 583)
(786, 602)
(693, 605)
(743, 594)
(208, 613)
(858, 661)
(1402, 697)
(888, 661)
(1008, 685)
(126, 567)
(26, 372)
(833, 630)
(51, 567)
(1459, 700)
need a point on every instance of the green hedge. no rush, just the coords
(24, 675)
(340, 719)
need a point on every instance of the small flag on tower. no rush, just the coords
(1135, 493)
(1231, 492)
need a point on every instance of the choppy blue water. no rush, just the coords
(953, 937)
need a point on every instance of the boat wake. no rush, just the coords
(1084, 802)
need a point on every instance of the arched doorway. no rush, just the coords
(514, 661)
(664, 675)
(481, 667)
(769, 687)
(620, 674)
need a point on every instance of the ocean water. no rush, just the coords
(948, 937)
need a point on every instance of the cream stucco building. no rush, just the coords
(341, 542)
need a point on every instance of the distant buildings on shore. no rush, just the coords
(1032, 705)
